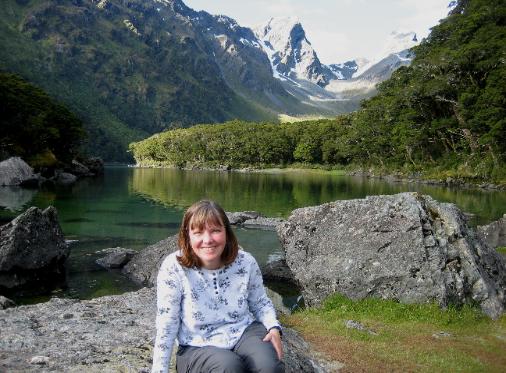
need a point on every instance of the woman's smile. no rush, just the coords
(208, 244)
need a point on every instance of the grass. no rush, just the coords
(407, 336)
(501, 250)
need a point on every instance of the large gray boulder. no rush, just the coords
(32, 251)
(143, 268)
(407, 247)
(107, 334)
(494, 234)
(15, 171)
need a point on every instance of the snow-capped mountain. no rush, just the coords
(396, 42)
(396, 53)
(290, 52)
(344, 70)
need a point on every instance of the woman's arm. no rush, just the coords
(262, 308)
(168, 293)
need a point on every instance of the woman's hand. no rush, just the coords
(274, 337)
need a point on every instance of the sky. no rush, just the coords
(339, 30)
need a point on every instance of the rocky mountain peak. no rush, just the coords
(291, 54)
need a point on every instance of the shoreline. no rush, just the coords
(394, 177)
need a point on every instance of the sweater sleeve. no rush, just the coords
(169, 295)
(259, 304)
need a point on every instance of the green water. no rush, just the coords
(133, 208)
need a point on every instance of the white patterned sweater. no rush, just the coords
(208, 307)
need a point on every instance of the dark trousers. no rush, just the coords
(250, 354)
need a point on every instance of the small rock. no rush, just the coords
(240, 217)
(118, 257)
(78, 168)
(6, 303)
(67, 316)
(352, 324)
(262, 222)
(441, 335)
(95, 165)
(65, 178)
(39, 360)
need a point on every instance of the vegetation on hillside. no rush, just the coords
(32, 125)
(125, 68)
(448, 109)
(444, 115)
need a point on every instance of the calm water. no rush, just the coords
(133, 208)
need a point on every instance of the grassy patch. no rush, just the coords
(501, 250)
(412, 337)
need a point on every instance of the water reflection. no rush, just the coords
(277, 194)
(15, 198)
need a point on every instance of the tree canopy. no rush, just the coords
(32, 123)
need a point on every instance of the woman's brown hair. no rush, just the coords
(199, 215)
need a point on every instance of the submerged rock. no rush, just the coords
(65, 178)
(32, 252)
(15, 171)
(117, 257)
(406, 247)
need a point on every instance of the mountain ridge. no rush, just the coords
(131, 69)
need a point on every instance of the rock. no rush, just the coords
(15, 171)
(79, 169)
(278, 271)
(277, 301)
(117, 257)
(143, 268)
(441, 334)
(94, 164)
(6, 303)
(253, 219)
(107, 334)
(352, 324)
(65, 178)
(300, 357)
(494, 234)
(32, 251)
(39, 360)
(406, 247)
(262, 222)
(239, 217)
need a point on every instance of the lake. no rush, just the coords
(135, 207)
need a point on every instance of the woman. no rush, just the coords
(211, 297)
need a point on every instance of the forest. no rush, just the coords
(444, 115)
(34, 126)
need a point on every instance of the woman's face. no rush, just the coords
(208, 244)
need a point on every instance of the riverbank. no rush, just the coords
(450, 178)
(375, 335)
